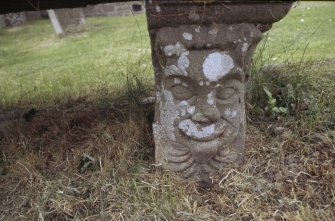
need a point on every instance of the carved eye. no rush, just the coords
(225, 93)
(181, 93)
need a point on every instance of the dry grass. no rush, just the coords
(286, 176)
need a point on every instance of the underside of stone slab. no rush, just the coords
(201, 55)
(8, 6)
(173, 13)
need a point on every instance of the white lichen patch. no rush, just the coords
(213, 31)
(184, 108)
(190, 129)
(211, 98)
(187, 36)
(207, 83)
(191, 109)
(177, 49)
(217, 65)
(158, 132)
(201, 83)
(197, 29)
(233, 113)
(158, 9)
(230, 114)
(169, 113)
(183, 62)
(244, 47)
(176, 81)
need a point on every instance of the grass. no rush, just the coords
(38, 68)
(295, 62)
(304, 32)
(88, 153)
(284, 177)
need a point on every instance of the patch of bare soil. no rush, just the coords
(94, 164)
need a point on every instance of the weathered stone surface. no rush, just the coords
(114, 9)
(66, 20)
(201, 59)
(180, 12)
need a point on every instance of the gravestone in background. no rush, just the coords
(66, 21)
(115, 9)
(14, 19)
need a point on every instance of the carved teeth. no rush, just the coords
(205, 133)
(187, 36)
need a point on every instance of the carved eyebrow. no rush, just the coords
(234, 75)
(173, 71)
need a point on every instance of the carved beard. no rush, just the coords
(180, 156)
(194, 157)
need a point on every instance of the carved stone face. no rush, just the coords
(200, 122)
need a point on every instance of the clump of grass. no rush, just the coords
(289, 90)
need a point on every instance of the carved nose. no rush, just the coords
(209, 113)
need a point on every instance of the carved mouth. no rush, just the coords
(201, 132)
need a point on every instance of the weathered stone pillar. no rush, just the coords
(201, 55)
